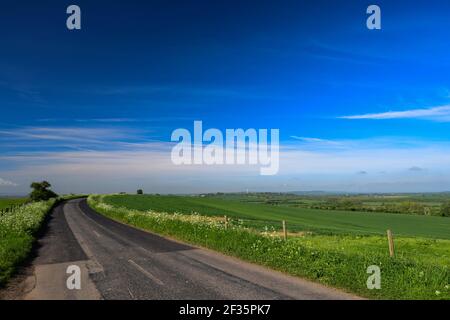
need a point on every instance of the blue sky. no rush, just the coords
(93, 110)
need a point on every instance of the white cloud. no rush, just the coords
(71, 137)
(65, 133)
(118, 120)
(441, 113)
(6, 183)
(416, 169)
(306, 139)
(317, 141)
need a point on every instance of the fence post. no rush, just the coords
(226, 222)
(284, 230)
(391, 243)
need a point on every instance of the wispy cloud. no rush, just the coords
(108, 120)
(66, 133)
(316, 140)
(351, 145)
(134, 120)
(78, 138)
(7, 183)
(416, 169)
(322, 51)
(440, 113)
(306, 139)
(115, 120)
(184, 91)
(23, 91)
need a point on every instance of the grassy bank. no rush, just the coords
(17, 234)
(337, 260)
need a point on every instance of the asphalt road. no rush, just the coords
(121, 262)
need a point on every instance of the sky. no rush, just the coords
(93, 110)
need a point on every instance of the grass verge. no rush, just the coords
(403, 277)
(17, 234)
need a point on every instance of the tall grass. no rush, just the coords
(402, 277)
(17, 233)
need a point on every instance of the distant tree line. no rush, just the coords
(402, 207)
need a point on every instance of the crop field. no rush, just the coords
(337, 252)
(268, 217)
(431, 204)
(8, 202)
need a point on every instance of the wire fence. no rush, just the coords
(267, 225)
(276, 226)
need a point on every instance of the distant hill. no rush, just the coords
(319, 193)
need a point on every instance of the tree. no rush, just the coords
(445, 209)
(41, 191)
(140, 191)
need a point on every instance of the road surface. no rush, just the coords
(120, 262)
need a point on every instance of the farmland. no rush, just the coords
(329, 246)
(263, 216)
(9, 202)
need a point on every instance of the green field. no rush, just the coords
(261, 216)
(426, 204)
(9, 202)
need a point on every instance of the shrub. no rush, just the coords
(445, 209)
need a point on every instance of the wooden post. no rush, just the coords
(391, 243)
(284, 230)
(226, 222)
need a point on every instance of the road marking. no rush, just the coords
(93, 266)
(96, 233)
(145, 272)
